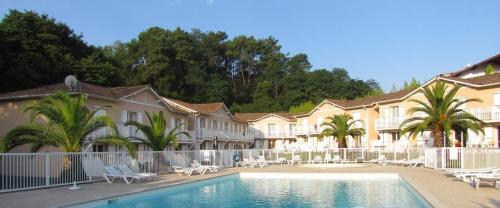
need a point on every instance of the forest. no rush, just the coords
(248, 74)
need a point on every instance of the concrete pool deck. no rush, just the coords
(440, 190)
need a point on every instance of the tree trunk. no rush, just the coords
(438, 137)
(342, 143)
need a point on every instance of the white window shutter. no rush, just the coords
(401, 110)
(141, 121)
(122, 126)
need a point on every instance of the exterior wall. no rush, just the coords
(231, 134)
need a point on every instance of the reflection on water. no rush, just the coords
(252, 192)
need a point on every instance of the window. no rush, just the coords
(496, 99)
(226, 126)
(215, 125)
(178, 122)
(291, 128)
(395, 136)
(131, 116)
(202, 123)
(271, 129)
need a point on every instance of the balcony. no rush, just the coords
(274, 134)
(224, 135)
(486, 114)
(389, 123)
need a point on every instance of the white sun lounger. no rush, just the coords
(183, 171)
(328, 158)
(126, 170)
(469, 176)
(211, 168)
(317, 159)
(112, 171)
(95, 168)
(486, 177)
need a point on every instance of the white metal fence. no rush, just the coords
(22, 171)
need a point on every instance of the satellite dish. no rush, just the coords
(71, 82)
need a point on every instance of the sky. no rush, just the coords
(389, 41)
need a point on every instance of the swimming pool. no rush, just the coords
(279, 190)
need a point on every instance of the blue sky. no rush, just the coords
(389, 41)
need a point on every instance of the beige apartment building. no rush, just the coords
(381, 116)
(271, 130)
(213, 125)
(122, 104)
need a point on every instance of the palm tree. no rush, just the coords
(341, 126)
(441, 113)
(69, 124)
(155, 135)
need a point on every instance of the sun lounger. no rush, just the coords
(295, 160)
(486, 177)
(112, 171)
(211, 168)
(415, 162)
(95, 168)
(317, 159)
(125, 169)
(183, 171)
(328, 158)
(468, 176)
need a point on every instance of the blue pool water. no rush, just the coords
(236, 191)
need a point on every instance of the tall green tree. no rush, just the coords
(489, 69)
(303, 107)
(341, 126)
(440, 113)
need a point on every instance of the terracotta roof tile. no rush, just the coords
(109, 92)
(481, 80)
(371, 100)
(256, 116)
(203, 108)
(493, 59)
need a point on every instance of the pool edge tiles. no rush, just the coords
(322, 176)
(263, 175)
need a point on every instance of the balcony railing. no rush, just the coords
(487, 114)
(388, 123)
(224, 135)
(274, 134)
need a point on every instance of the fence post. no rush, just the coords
(473, 158)
(443, 159)
(462, 157)
(47, 169)
(309, 159)
(407, 153)
(435, 158)
(345, 154)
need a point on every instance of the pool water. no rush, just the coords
(278, 190)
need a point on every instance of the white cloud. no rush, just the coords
(210, 2)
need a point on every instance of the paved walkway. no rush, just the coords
(440, 190)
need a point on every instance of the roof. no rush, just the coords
(258, 116)
(493, 59)
(477, 81)
(371, 100)
(86, 88)
(203, 108)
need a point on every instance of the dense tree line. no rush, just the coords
(246, 73)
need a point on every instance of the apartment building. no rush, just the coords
(271, 130)
(213, 126)
(122, 104)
